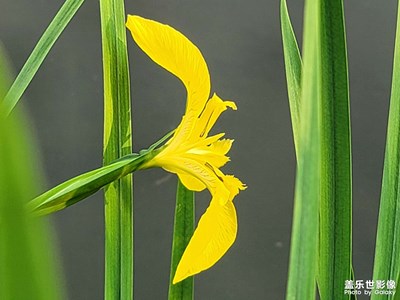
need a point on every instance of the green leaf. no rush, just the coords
(26, 251)
(303, 252)
(39, 53)
(117, 142)
(293, 66)
(334, 266)
(387, 254)
(353, 277)
(335, 238)
(183, 231)
(397, 295)
(28, 266)
(84, 185)
(5, 68)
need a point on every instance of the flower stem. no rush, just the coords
(183, 231)
(117, 142)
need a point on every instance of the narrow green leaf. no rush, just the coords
(26, 253)
(387, 251)
(39, 53)
(397, 295)
(28, 266)
(117, 142)
(353, 277)
(335, 246)
(5, 68)
(84, 185)
(303, 252)
(183, 231)
(335, 207)
(293, 67)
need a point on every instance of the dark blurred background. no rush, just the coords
(241, 43)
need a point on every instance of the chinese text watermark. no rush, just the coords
(369, 287)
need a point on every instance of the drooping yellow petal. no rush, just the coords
(191, 182)
(213, 236)
(204, 172)
(177, 54)
(234, 185)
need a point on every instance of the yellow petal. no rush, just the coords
(191, 183)
(181, 165)
(221, 146)
(214, 108)
(208, 141)
(233, 184)
(204, 155)
(177, 54)
(215, 153)
(213, 236)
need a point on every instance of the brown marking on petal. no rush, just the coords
(202, 173)
(204, 108)
(212, 169)
(205, 128)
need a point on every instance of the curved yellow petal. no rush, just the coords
(204, 172)
(191, 183)
(221, 146)
(234, 185)
(207, 141)
(213, 236)
(176, 53)
(214, 154)
(214, 108)
(206, 156)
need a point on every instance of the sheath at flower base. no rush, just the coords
(191, 154)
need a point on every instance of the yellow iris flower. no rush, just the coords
(191, 154)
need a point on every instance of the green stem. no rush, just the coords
(117, 142)
(183, 231)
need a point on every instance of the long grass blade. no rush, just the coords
(28, 266)
(387, 251)
(39, 53)
(335, 246)
(183, 231)
(303, 252)
(5, 74)
(293, 66)
(117, 142)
